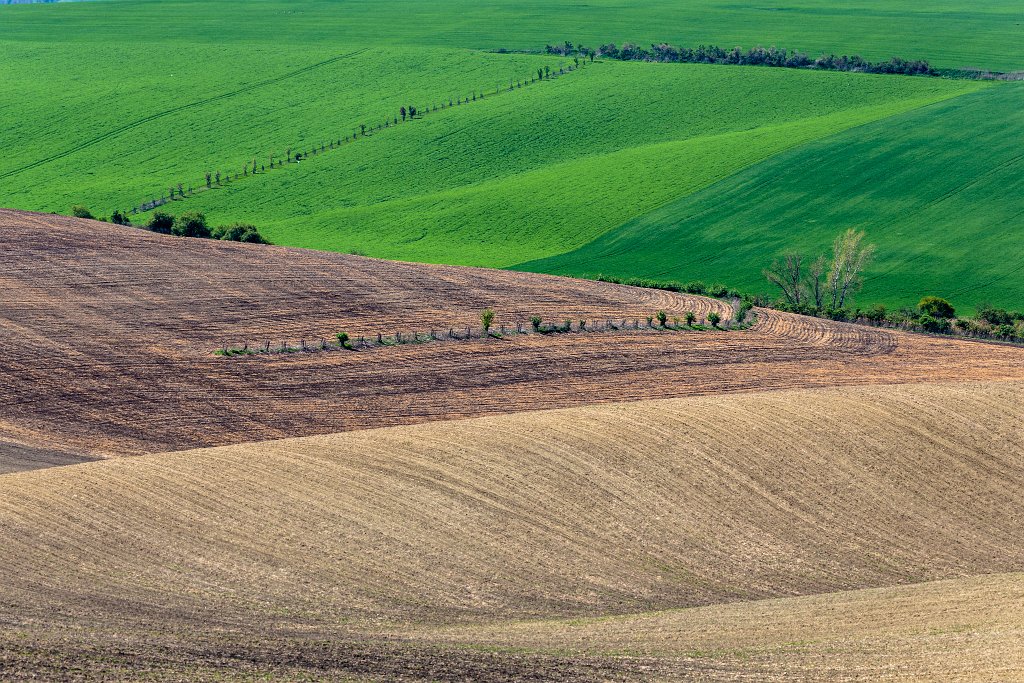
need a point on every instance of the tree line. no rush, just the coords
(214, 179)
(825, 286)
(188, 224)
(755, 56)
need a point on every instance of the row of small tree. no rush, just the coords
(755, 56)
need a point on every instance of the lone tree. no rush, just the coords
(208, 177)
(402, 112)
(486, 319)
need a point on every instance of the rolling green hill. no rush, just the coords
(143, 95)
(940, 190)
(534, 173)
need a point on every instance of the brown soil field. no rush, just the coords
(108, 336)
(536, 545)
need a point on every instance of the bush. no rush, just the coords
(876, 313)
(662, 318)
(486, 319)
(691, 317)
(343, 341)
(535, 321)
(239, 232)
(994, 316)
(119, 218)
(161, 222)
(191, 224)
(79, 211)
(932, 324)
(936, 307)
(714, 319)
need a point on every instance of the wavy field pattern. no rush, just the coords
(593, 511)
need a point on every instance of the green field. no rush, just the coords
(950, 33)
(940, 190)
(614, 168)
(531, 173)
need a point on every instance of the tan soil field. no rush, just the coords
(109, 336)
(536, 545)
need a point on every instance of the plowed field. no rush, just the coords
(109, 336)
(460, 549)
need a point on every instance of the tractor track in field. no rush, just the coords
(173, 110)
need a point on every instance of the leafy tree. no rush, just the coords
(160, 222)
(535, 321)
(218, 177)
(362, 128)
(714, 318)
(691, 317)
(80, 211)
(547, 72)
(191, 224)
(208, 180)
(402, 112)
(936, 307)
(119, 218)
(662, 318)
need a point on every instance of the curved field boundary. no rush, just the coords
(167, 112)
(113, 355)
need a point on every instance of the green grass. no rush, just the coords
(950, 33)
(940, 190)
(533, 173)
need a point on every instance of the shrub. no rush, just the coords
(714, 319)
(191, 224)
(343, 340)
(691, 317)
(932, 324)
(662, 318)
(743, 310)
(1005, 331)
(566, 326)
(486, 319)
(994, 316)
(876, 313)
(161, 222)
(239, 232)
(119, 218)
(936, 307)
(695, 287)
(583, 325)
(79, 211)
(535, 321)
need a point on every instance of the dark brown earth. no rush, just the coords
(109, 336)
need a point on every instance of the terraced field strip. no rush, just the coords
(113, 356)
(352, 541)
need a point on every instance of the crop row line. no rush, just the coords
(657, 323)
(254, 166)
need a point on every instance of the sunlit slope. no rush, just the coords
(128, 122)
(985, 34)
(585, 512)
(547, 168)
(940, 190)
(969, 629)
